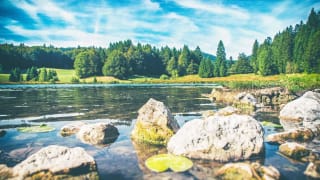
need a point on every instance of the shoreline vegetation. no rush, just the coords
(293, 82)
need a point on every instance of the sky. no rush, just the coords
(157, 22)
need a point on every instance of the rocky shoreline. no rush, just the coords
(230, 135)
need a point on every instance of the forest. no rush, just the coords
(293, 50)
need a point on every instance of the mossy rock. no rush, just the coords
(152, 134)
(162, 162)
(294, 150)
(36, 129)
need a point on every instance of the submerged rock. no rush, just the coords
(155, 123)
(71, 128)
(227, 111)
(220, 138)
(300, 134)
(313, 170)
(57, 161)
(99, 134)
(5, 172)
(247, 171)
(2, 133)
(294, 150)
(302, 112)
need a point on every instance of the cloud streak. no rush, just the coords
(158, 22)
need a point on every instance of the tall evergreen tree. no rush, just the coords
(265, 58)
(220, 65)
(43, 75)
(206, 68)
(15, 75)
(254, 57)
(183, 60)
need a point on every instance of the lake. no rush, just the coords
(57, 105)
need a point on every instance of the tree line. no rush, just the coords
(292, 50)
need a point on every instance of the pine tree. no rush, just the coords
(265, 58)
(43, 75)
(15, 75)
(172, 67)
(206, 68)
(220, 65)
(183, 60)
(254, 56)
(192, 68)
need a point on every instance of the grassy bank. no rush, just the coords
(294, 82)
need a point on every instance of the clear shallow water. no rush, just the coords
(57, 105)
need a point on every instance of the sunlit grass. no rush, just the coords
(293, 82)
(4, 78)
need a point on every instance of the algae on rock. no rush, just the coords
(155, 124)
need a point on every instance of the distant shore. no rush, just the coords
(293, 82)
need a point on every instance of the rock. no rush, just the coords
(220, 138)
(247, 171)
(302, 112)
(155, 123)
(55, 160)
(99, 134)
(227, 111)
(300, 134)
(222, 94)
(5, 172)
(208, 113)
(294, 150)
(313, 170)
(2, 133)
(71, 128)
(246, 98)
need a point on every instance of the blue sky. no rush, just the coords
(158, 22)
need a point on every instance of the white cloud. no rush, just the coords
(147, 22)
(215, 8)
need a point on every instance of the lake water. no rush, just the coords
(57, 105)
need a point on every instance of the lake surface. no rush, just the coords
(57, 105)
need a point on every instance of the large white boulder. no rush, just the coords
(54, 160)
(220, 138)
(302, 112)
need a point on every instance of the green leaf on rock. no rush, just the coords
(271, 124)
(162, 162)
(36, 129)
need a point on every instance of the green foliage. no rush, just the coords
(296, 83)
(242, 66)
(254, 57)
(206, 68)
(75, 80)
(293, 50)
(43, 75)
(172, 67)
(162, 162)
(116, 65)
(220, 67)
(15, 75)
(87, 63)
(164, 77)
(192, 68)
(94, 80)
(1, 68)
(32, 74)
